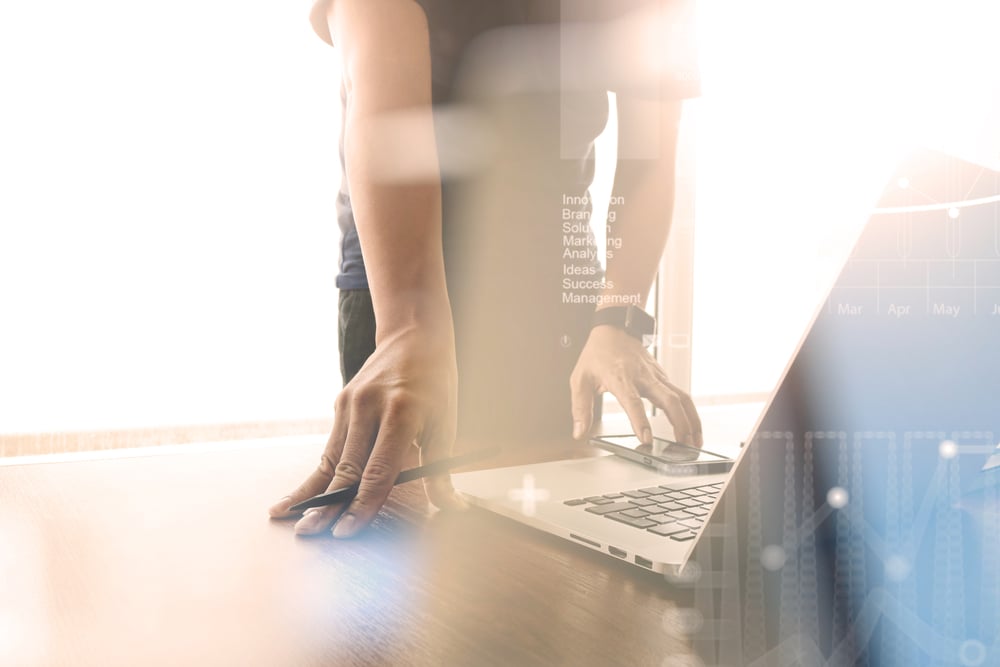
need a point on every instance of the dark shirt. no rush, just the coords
(455, 26)
(504, 240)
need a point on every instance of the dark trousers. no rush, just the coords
(357, 331)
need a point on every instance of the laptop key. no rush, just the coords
(574, 501)
(652, 490)
(607, 509)
(661, 518)
(636, 513)
(643, 502)
(632, 521)
(614, 496)
(598, 500)
(671, 506)
(659, 498)
(668, 529)
(635, 494)
(696, 511)
(683, 537)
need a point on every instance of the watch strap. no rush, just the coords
(632, 320)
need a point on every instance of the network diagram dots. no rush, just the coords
(953, 212)
(687, 621)
(972, 653)
(772, 557)
(948, 449)
(690, 573)
(897, 568)
(837, 497)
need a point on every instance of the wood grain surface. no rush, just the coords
(171, 560)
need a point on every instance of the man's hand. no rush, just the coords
(404, 394)
(406, 391)
(614, 361)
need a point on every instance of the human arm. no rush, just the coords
(611, 359)
(406, 391)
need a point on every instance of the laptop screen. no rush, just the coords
(860, 521)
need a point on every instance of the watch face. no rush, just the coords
(639, 323)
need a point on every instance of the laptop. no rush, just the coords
(607, 503)
(907, 342)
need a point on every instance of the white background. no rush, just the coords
(168, 171)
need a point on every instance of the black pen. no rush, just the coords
(436, 468)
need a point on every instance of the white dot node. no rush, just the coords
(953, 212)
(683, 621)
(837, 497)
(896, 568)
(691, 621)
(948, 449)
(903, 182)
(689, 574)
(972, 653)
(772, 557)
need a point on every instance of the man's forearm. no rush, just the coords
(388, 122)
(638, 235)
(642, 199)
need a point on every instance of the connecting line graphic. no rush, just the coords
(979, 176)
(872, 539)
(947, 206)
(801, 650)
(922, 518)
(952, 238)
(798, 650)
(923, 515)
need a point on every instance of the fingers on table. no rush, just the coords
(438, 444)
(320, 479)
(349, 468)
(377, 475)
(315, 484)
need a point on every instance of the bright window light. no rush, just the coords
(168, 242)
(807, 108)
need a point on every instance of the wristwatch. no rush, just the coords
(632, 320)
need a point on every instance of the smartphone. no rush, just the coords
(666, 456)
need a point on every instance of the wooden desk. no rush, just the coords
(168, 558)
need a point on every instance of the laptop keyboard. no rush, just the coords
(662, 510)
